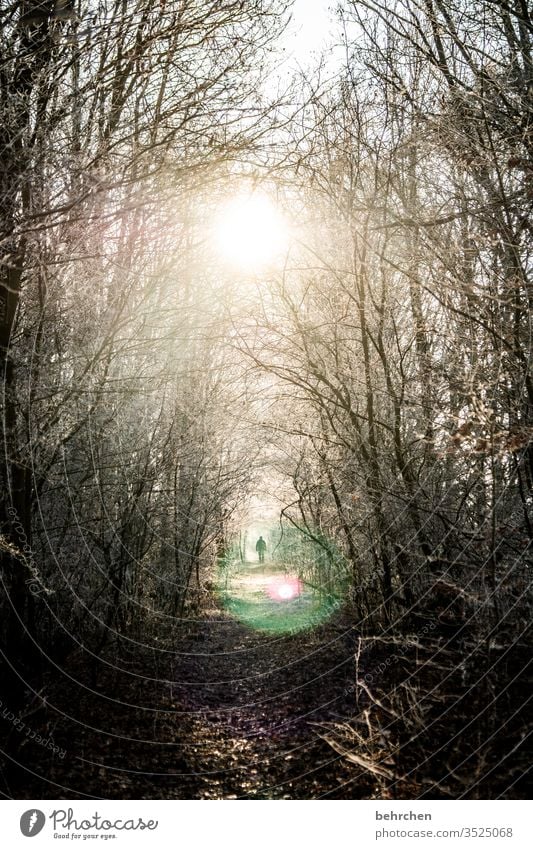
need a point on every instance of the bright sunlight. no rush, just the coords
(251, 232)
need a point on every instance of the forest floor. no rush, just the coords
(231, 712)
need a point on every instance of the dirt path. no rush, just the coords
(256, 703)
(234, 714)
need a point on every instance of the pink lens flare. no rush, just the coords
(284, 588)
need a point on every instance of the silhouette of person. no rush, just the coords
(260, 547)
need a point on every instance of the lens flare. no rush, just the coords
(270, 602)
(284, 589)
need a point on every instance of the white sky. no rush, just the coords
(310, 31)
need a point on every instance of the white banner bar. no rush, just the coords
(256, 825)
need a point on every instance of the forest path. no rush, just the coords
(232, 712)
(257, 698)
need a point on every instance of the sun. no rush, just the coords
(251, 232)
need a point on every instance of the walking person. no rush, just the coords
(260, 547)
